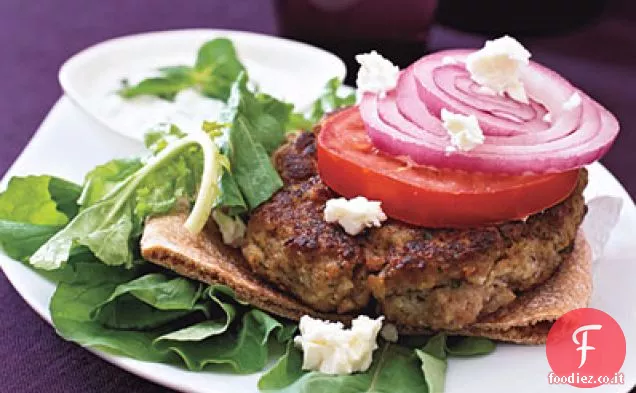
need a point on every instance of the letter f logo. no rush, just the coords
(584, 347)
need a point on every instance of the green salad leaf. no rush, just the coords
(217, 66)
(395, 369)
(256, 128)
(109, 226)
(20, 240)
(463, 346)
(156, 316)
(103, 178)
(32, 210)
(433, 358)
(30, 200)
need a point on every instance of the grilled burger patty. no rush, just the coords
(435, 278)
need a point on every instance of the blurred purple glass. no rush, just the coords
(397, 29)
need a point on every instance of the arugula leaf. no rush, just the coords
(395, 369)
(103, 178)
(109, 227)
(217, 66)
(252, 135)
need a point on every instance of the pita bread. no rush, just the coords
(206, 258)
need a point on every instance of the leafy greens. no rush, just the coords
(395, 369)
(155, 316)
(217, 66)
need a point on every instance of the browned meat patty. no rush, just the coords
(419, 277)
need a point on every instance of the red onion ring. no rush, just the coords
(406, 122)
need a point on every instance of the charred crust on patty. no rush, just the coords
(295, 160)
(420, 277)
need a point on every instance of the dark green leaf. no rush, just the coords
(217, 66)
(71, 308)
(160, 291)
(230, 197)
(164, 88)
(436, 346)
(65, 194)
(469, 346)
(394, 370)
(251, 165)
(251, 134)
(20, 240)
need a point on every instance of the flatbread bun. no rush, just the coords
(206, 258)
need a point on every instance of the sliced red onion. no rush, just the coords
(406, 122)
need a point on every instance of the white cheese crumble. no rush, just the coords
(331, 349)
(498, 66)
(376, 74)
(354, 215)
(464, 131)
(232, 228)
(572, 102)
(547, 117)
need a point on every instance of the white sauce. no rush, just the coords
(137, 115)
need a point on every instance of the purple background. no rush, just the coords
(37, 36)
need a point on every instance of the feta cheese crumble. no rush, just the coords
(232, 228)
(498, 66)
(572, 102)
(354, 215)
(464, 131)
(331, 349)
(376, 74)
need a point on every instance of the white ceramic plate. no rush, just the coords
(288, 70)
(69, 143)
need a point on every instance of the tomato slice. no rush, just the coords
(424, 196)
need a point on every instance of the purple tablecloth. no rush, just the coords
(37, 36)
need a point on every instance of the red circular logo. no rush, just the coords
(585, 348)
